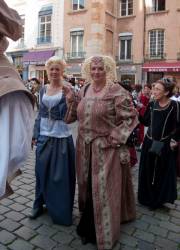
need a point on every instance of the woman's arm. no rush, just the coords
(146, 118)
(126, 118)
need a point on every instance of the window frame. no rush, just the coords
(125, 37)
(127, 10)
(158, 44)
(77, 43)
(44, 38)
(155, 6)
(78, 5)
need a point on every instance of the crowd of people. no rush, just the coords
(114, 118)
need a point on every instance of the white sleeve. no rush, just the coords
(16, 125)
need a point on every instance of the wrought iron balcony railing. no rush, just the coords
(76, 55)
(44, 39)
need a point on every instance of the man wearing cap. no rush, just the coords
(16, 106)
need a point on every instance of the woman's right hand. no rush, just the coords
(33, 143)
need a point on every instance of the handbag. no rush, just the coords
(156, 147)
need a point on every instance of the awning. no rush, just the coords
(37, 57)
(161, 67)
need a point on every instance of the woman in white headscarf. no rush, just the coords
(16, 106)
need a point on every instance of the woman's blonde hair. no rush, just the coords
(109, 65)
(55, 60)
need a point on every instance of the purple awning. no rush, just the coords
(37, 57)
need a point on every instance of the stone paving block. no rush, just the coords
(175, 213)
(175, 220)
(45, 219)
(177, 202)
(29, 204)
(165, 243)
(63, 247)
(6, 237)
(17, 207)
(150, 220)
(146, 236)
(22, 192)
(66, 229)
(21, 200)
(43, 242)
(170, 226)
(16, 183)
(46, 230)
(128, 240)
(33, 224)
(13, 196)
(63, 238)
(2, 217)
(128, 228)
(162, 216)
(158, 230)
(174, 236)
(6, 202)
(26, 211)
(144, 210)
(3, 209)
(76, 243)
(16, 216)
(140, 224)
(142, 245)
(9, 225)
(21, 245)
(25, 233)
(27, 187)
(123, 247)
(3, 247)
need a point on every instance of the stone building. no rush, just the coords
(143, 36)
(42, 36)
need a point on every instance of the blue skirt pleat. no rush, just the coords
(55, 177)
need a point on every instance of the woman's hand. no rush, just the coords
(33, 143)
(173, 144)
(68, 91)
(113, 141)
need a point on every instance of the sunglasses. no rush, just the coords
(167, 80)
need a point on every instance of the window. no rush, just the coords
(126, 7)
(77, 4)
(125, 44)
(156, 43)
(77, 43)
(158, 5)
(45, 16)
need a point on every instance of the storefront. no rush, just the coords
(35, 62)
(131, 73)
(73, 70)
(17, 60)
(155, 70)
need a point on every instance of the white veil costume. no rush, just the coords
(16, 106)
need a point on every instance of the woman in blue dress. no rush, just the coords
(55, 169)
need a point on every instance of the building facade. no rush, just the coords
(143, 36)
(42, 36)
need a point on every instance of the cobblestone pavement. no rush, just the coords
(151, 230)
